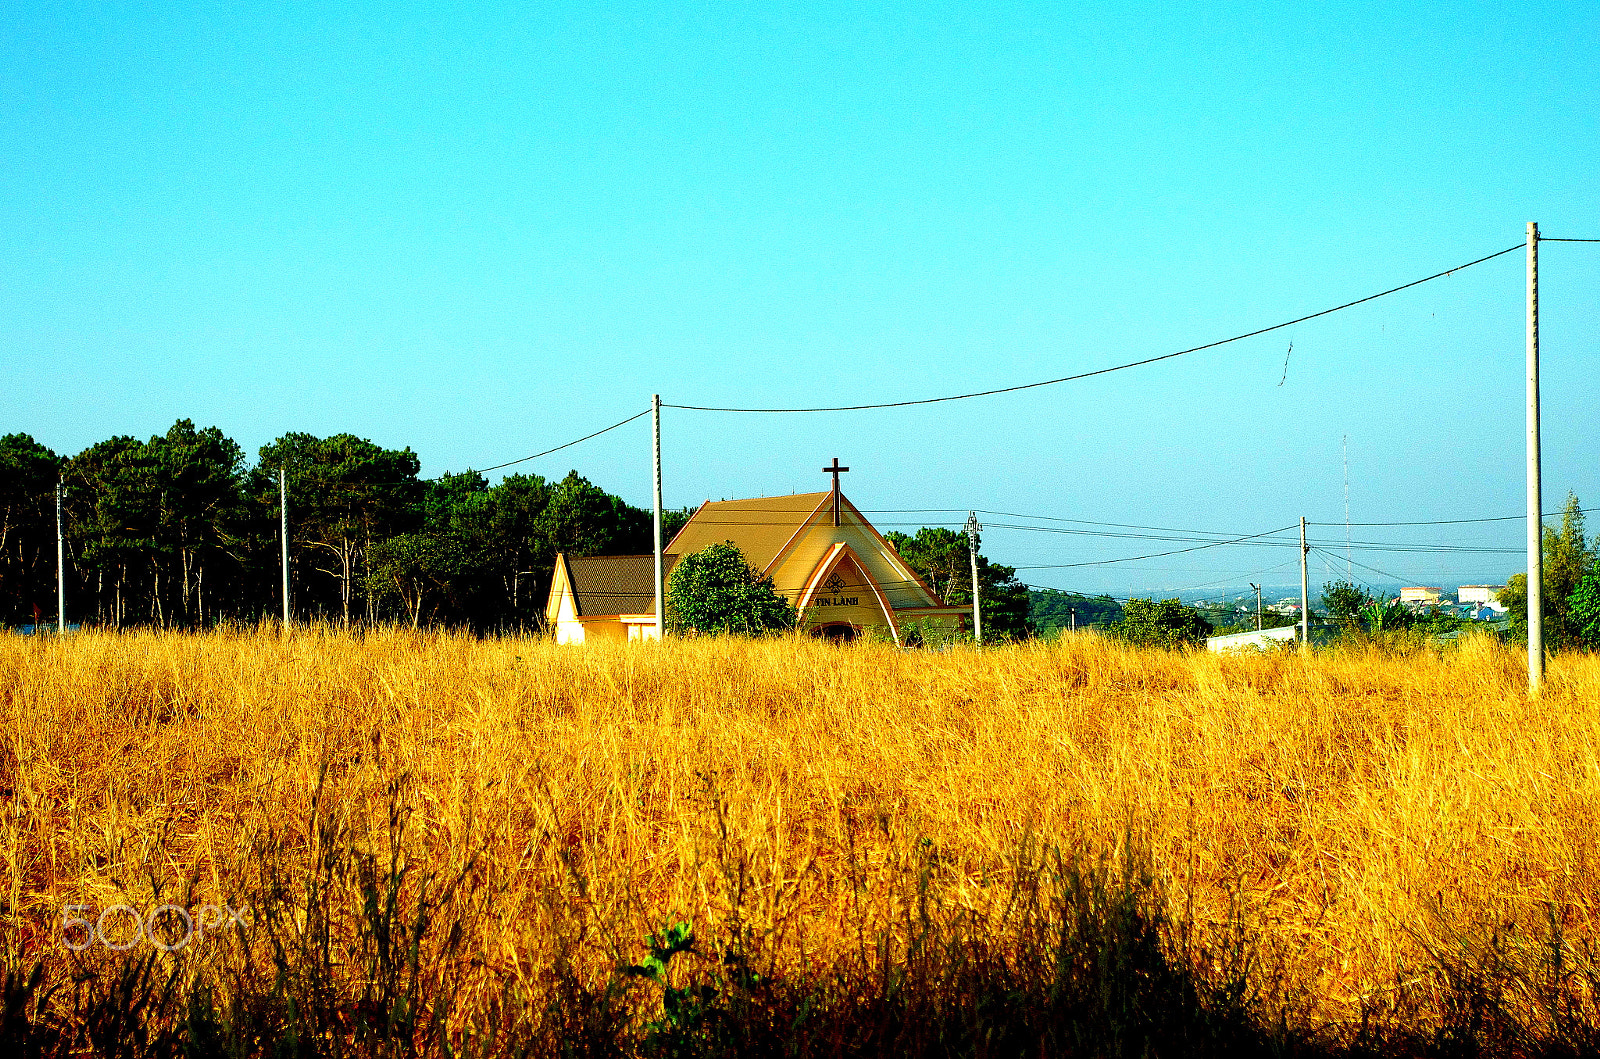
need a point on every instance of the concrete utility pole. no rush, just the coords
(1535, 500)
(1305, 592)
(1074, 619)
(1257, 587)
(972, 553)
(61, 568)
(661, 574)
(283, 513)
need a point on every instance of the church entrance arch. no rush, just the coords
(837, 632)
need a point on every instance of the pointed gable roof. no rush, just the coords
(762, 527)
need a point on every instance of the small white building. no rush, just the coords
(1421, 594)
(1483, 595)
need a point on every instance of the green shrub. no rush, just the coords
(715, 591)
(1168, 623)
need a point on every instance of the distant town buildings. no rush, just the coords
(1482, 595)
(1421, 594)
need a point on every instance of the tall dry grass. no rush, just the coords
(1380, 836)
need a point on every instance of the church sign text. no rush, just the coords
(836, 601)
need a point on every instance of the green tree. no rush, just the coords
(157, 528)
(1383, 615)
(715, 591)
(941, 557)
(524, 569)
(28, 475)
(1566, 556)
(111, 515)
(197, 481)
(415, 569)
(1167, 623)
(345, 493)
(1344, 602)
(1050, 608)
(1583, 609)
(582, 519)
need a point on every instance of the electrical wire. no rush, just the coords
(369, 484)
(1117, 367)
(558, 448)
(1157, 555)
(1455, 521)
(1375, 570)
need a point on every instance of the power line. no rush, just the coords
(1118, 367)
(1156, 555)
(558, 448)
(1374, 569)
(1457, 521)
(1175, 591)
(336, 483)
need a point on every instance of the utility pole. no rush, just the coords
(1305, 592)
(61, 568)
(1257, 587)
(1535, 500)
(972, 553)
(661, 576)
(1074, 619)
(283, 512)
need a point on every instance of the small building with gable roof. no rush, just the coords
(845, 580)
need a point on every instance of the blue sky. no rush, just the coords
(481, 230)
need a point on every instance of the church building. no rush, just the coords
(822, 554)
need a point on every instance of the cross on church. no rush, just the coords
(836, 471)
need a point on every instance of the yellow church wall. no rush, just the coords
(853, 602)
(795, 568)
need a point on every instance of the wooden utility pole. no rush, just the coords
(1535, 500)
(661, 576)
(972, 553)
(1305, 592)
(283, 514)
(61, 567)
(1257, 587)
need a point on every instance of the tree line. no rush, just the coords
(178, 531)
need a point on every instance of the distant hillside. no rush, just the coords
(1050, 608)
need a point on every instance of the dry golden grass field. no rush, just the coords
(460, 830)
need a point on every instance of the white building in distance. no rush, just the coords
(1487, 595)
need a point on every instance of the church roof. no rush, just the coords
(760, 527)
(614, 584)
